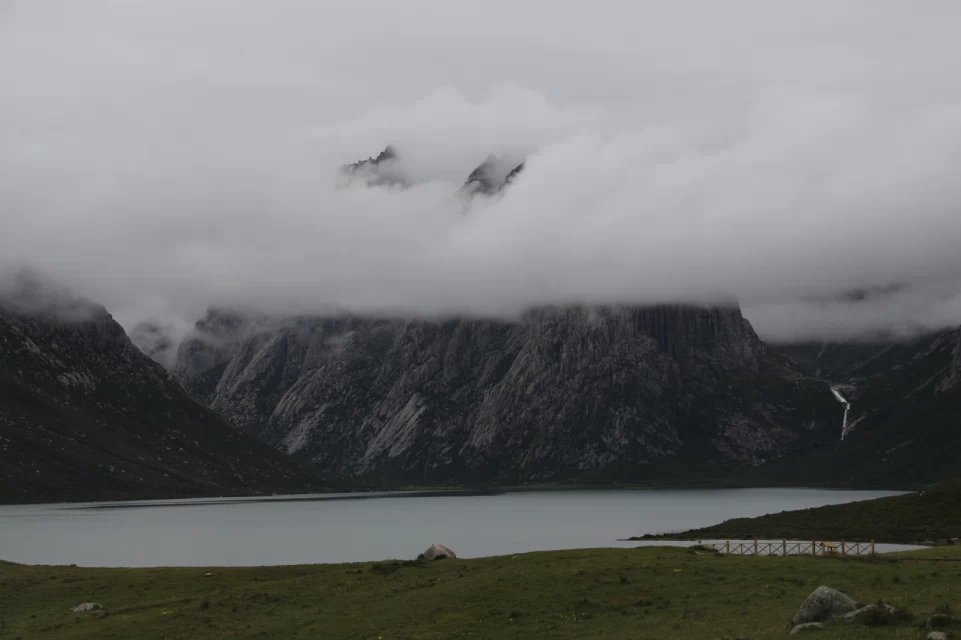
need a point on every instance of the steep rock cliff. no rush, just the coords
(561, 393)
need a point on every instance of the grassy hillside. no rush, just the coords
(599, 593)
(84, 415)
(930, 515)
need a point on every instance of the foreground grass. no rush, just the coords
(598, 593)
(933, 515)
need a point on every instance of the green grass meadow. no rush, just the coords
(597, 593)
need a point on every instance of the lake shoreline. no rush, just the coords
(931, 516)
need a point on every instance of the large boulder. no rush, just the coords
(823, 604)
(438, 552)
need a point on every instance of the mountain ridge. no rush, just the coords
(558, 394)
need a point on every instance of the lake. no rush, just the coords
(364, 527)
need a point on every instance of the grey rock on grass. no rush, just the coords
(438, 552)
(867, 610)
(823, 604)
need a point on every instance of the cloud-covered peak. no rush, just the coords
(29, 292)
(491, 175)
(384, 169)
(164, 165)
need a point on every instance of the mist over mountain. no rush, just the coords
(645, 241)
(164, 166)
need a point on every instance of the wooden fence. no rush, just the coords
(786, 548)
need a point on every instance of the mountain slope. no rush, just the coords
(563, 393)
(905, 413)
(931, 515)
(85, 415)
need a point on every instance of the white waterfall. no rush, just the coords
(847, 407)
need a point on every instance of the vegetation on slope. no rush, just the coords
(925, 516)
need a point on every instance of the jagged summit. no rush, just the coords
(513, 173)
(384, 169)
(488, 178)
(389, 153)
(491, 176)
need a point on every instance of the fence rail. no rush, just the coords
(787, 548)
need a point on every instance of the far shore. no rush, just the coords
(469, 489)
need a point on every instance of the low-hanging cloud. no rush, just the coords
(164, 157)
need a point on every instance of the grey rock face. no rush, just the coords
(823, 604)
(201, 361)
(952, 379)
(562, 392)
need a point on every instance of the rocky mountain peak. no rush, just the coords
(491, 176)
(384, 169)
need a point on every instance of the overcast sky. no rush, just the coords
(161, 157)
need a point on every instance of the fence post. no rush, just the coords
(784, 547)
(813, 549)
(755, 546)
(872, 547)
(727, 547)
(842, 548)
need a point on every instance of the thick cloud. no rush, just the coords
(163, 157)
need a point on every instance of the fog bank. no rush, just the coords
(161, 158)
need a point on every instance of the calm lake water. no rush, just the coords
(363, 527)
